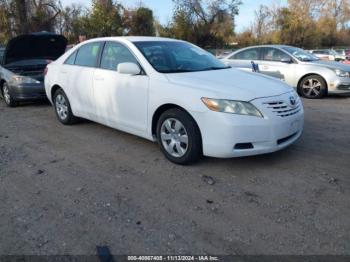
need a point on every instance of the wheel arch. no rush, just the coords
(53, 90)
(311, 74)
(161, 109)
(2, 82)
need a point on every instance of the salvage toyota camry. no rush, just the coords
(175, 93)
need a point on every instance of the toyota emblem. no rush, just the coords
(292, 100)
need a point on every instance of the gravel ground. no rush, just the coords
(65, 190)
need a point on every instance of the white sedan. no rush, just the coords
(175, 93)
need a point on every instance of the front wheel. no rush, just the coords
(179, 137)
(63, 109)
(313, 87)
(7, 96)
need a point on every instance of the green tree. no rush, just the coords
(296, 26)
(70, 22)
(6, 29)
(25, 16)
(105, 19)
(208, 24)
(43, 15)
(183, 26)
(139, 21)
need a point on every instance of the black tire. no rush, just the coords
(9, 100)
(66, 118)
(194, 141)
(317, 90)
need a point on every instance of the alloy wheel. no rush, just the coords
(7, 95)
(312, 87)
(174, 137)
(61, 107)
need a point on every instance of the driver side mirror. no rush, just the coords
(287, 60)
(129, 69)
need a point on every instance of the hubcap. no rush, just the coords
(61, 107)
(7, 96)
(312, 87)
(174, 137)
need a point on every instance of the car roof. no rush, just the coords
(278, 46)
(133, 39)
(255, 46)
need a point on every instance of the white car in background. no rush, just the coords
(312, 77)
(175, 93)
(341, 55)
(328, 55)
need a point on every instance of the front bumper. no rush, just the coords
(228, 135)
(339, 85)
(27, 92)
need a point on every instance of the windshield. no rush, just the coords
(178, 57)
(300, 54)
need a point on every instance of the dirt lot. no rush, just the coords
(64, 190)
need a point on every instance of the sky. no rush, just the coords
(163, 9)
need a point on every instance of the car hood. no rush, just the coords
(34, 46)
(232, 83)
(331, 64)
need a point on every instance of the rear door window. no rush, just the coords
(71, 59)
(249, 54)
(88, 54)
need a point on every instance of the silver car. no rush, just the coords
(312, 77)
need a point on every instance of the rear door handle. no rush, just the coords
(64, 72)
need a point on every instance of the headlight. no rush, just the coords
(232, 107)
(24, 80)
(341, 73)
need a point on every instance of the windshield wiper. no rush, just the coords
(198, 70)
(175, 71)
(213, 68)
(309, 60)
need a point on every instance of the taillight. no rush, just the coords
(46, 69)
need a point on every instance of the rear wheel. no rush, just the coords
(63, 109)
(179, 137)
(313, 87)
(7, 96)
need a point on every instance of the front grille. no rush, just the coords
(344, 87)
(283, 109)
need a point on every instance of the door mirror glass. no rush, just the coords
(129, 69)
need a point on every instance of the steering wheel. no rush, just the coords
(183, 65)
